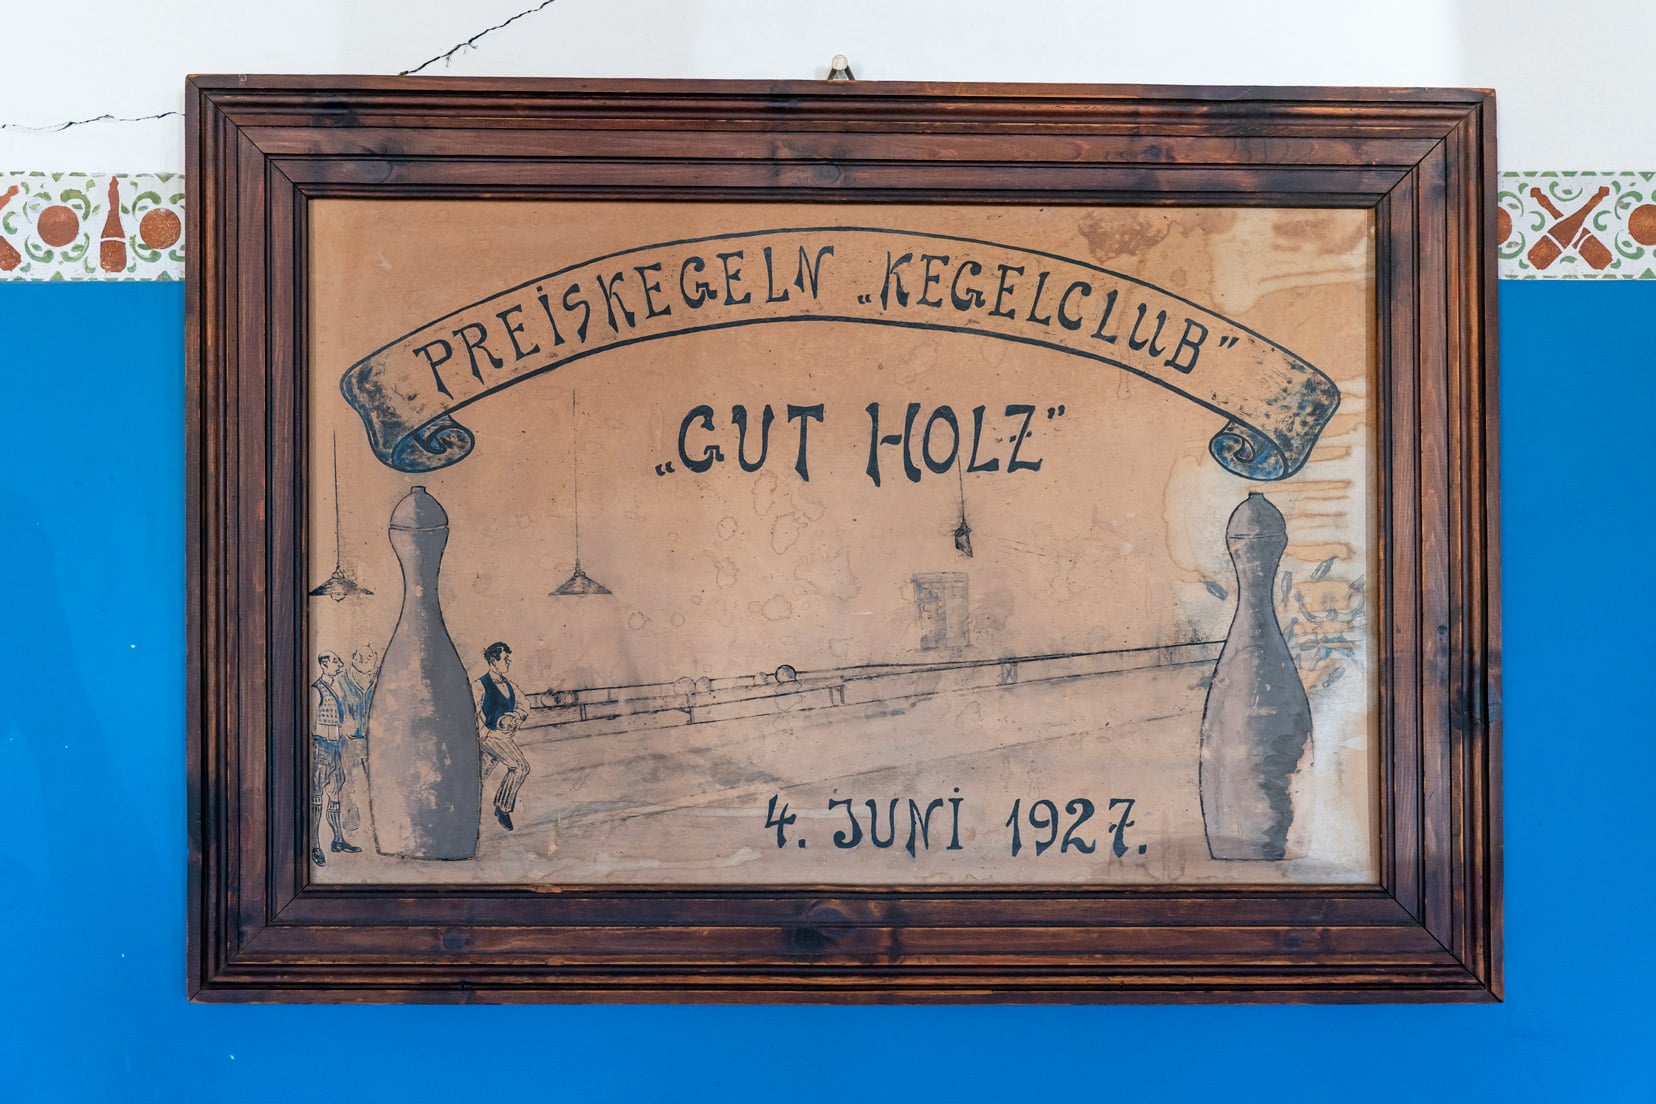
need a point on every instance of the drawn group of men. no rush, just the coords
(339, 738)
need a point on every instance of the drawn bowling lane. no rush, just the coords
(671, 784)
(927, 734)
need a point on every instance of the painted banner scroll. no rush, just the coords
(1274, 403)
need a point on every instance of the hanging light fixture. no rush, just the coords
(579, 584)
(963, 532)
(338, 586)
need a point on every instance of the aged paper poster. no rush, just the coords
(729, 543)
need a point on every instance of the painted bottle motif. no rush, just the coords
(424, 765)
(112, 243)
(10, 258)
(1256, 727)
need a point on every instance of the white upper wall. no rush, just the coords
(1572, 93)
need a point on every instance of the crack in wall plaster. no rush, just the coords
(54, 128)
(472, 41)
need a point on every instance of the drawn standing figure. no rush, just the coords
(356, 689)
(327, 766)
(501, 716)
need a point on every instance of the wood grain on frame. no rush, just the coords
(262, 151)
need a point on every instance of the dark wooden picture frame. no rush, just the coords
(262, 150)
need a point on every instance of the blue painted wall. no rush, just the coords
(92, 804)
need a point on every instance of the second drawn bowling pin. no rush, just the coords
(424, 765)
(1256, 727)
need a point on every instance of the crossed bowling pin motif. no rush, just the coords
(1569, 232)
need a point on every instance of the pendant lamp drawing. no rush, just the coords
(338, 586)
(579, 584)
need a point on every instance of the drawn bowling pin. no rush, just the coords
(424, 765)
(1256, 726)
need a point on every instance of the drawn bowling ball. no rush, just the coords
(1641, 224)
(57, 225)
(160, 229)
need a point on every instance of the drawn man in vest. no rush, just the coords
(357, 688)
(354, 686)
(327, 767)
(502, 712)
(356, 693)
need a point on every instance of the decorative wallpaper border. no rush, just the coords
(1551, 225)
(1577, 225)
(86, 226)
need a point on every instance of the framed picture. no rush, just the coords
(826, 541)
